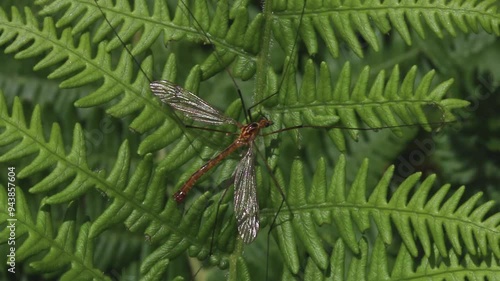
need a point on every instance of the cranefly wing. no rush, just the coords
(188, 103)
(246, 206)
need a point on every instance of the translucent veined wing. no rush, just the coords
(188, 103)
(246, 206)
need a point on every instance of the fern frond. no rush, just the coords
(236, 43)
(451, 266)
(430, 220)
(377, 105)
(30, 139)
(372, 264)
(71, 251)
(26, 140)
(89, 69)
(333, 21)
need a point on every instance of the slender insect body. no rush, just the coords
(247, 135)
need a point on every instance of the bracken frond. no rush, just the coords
(68, 254)
(433, 222)
(333, 21)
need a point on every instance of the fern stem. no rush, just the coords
(264, 54)
(233, 260)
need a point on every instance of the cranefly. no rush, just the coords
(246, 207)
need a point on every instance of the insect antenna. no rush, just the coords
(439, 124)
(136, 61)
(427, 125)
(248, 117)
(172, 113)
